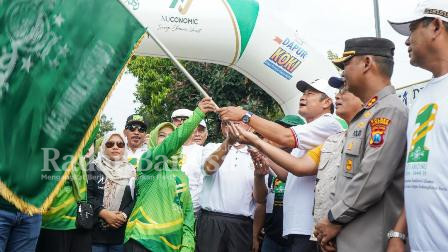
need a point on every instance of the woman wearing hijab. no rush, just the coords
(163, 216)
(110, 191)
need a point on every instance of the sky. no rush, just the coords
(325, 24)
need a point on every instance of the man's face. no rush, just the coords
(418, 42)
(179, 120)
(311, 104)
(199, 136)
(135, 134)
(353, 69)
(347, 104)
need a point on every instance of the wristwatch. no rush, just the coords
(395, 234)
(246, 117)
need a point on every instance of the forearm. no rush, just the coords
(215, 160)
(273, 131)
(260, 189)
(259, 216)
(297, 166)
(281, 173)
(401, 225)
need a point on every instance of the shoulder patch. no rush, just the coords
(371, 102)
(378, 128)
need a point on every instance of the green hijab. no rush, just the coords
(174, 160)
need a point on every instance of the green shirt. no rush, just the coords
(62, 213)
(163, 217)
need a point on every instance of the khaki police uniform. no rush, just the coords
(369, 187)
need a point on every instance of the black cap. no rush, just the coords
(336, 82)
(136, 118)
(366, 46)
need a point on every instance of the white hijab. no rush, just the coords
(119, 174)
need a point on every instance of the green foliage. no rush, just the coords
(162, 89)
(106, 125)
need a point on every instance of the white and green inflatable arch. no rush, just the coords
(242, 34)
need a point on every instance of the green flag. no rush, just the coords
(58, 62)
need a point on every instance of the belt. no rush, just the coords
(227, 215)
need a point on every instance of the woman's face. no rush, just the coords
(114, 152)
(163, 133)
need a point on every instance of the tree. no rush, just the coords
(162, 88)
(106, 125)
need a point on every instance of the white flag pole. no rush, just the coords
(178, 64)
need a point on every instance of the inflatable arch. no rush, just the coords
(242, 34)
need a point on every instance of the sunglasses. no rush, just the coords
(111, 144)
(134, 127)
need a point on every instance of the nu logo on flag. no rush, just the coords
(184, 5)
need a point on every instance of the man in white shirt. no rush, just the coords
(225, 222)
(426, 176)
(135, 132)
(316, 106)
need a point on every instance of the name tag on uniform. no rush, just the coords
(357, 133)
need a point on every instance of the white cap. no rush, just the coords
(186, 113)
(181, 113)
(320, 85)
(426, 8)
(203, 124)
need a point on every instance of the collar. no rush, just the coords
(386, 91)
(242, 150)
(142, 148)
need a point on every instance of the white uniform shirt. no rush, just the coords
(426, 174)
(191, 165)
(298, 199)
(230, 189)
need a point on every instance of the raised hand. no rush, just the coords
(260, 162)
(207, 105)
(231, 113)
(244, 136)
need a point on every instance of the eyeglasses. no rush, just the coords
(134, 127)
(110, 144)
(180, 119)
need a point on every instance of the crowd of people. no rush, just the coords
(356, 171)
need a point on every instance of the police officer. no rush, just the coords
(369, 186)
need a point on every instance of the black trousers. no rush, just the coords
(74, 240)
(218, 232)
(301, 243)
(133, 246)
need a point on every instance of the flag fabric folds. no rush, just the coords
(59, 61)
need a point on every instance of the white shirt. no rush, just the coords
(310, 135)
(191, 165)
(230, 189)
(298, 199)
(426, 174)
(134, 157)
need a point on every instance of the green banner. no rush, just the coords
(58, 62)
